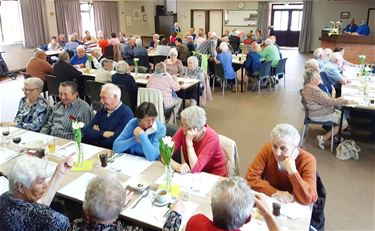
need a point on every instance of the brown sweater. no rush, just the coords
(264, 176)
(38, 68)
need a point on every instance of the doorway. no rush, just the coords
(286, 20)
(209, 20)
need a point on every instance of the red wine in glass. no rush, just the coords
(5, 133)
(16, 140)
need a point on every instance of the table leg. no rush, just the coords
(241, 78)
(340, 126)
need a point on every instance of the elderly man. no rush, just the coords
(270, 52)
(190, 43)
(97, 56)
(129, 51)
(183, 51)
(282, 170)
(321, 57)
(80, 58)
(60, 123)
(231, 205)
(38, 66)
(335, 78)
(138, 49)
(351, 27)
(61, 40)
(63, 70)
(72, 44)
(235, 40)
(110, 120)
(209, 46)
(154, 41)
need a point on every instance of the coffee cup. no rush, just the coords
(162, 196)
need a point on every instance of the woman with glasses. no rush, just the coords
(282, 170)
(33, 110)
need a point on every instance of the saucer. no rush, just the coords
(159, 204)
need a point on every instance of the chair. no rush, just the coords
(125, 97)
(229, 147)
(92, 91)
(317, 217)
(158, 59)
(280, 69)
(143, 61)
(70, 53)
(308, 121)
(53, 87)
(25, 74)
(264, 73)
(326, 85)
(219, 73)
(108, 52)
(171, 130)
(154, 96)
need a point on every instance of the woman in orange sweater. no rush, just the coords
(282, 170)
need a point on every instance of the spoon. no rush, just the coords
(143, 195)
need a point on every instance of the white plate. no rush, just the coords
(159, 204)
(138, 183)
(33, 144)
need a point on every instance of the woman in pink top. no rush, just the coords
(167, 85)
(174, 65)
(201, 150)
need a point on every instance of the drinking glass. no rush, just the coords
(5, 133)
(16, 140)
(52, 146)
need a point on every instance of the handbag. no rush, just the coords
(347, 149)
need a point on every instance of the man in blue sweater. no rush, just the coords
(141, 135)
(110, 120)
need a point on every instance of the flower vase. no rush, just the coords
(168, 178)
(136, 71)
(88, 66)
(79, 155)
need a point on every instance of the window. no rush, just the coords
(280, 20)
(296, 21)
(87, 15)
(11, 30)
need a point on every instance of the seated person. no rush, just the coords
(174, 66)
(59, 123)
(61, 40)
(97, 56)
(72, 44)
(231, 203)
(26, 205)
(182, 50)
(104, 74)
(333, 72)
(53, 45)
(104, 200)
(128, 51)
(343, 61)
(138, 49)
(102, 42)
(79, 60)
(87, 38)
(164, 82)
(63, 70)
(249, 38)
(258, 37)
(321, 106)
(282, 170)
(141, 135)
(190, 44)
(193, 71)
(123, 77)
(363, 29)
(313, 65)
(270, 53)
(224, 57)
(110, 120)
(321, 57)
(351, 27)
(38, 65)
(154, 41)
(114, 40)
(252, 63)
(201, 150)
(33, 110)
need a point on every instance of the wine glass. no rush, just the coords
(6, 132)
(16, 140)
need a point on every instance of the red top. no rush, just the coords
(201, 222)
(211, 158)
(103, 44)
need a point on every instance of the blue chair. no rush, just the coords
(280, 69)
(308, 121)
(326, 85)
(264, 73)
(219, 73)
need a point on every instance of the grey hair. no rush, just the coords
(213, 35)
(35, 81)
(231, 203)
(268, 41)
(156, 35)
(318, 52)
(194, 116)
(25, 171)
(97, 50)
(334, 57)
(173, 51)
(112, 90)
(225, 39)
(312, 64)
(64, 56)
(122, 67)
(104, 61)
(309, 75)
(104, 197)
(224, 47)
(81, 47)
(249, 49)
(194, 60)
(72, 37)
(285, 133)
(138, 42)
(160, 68)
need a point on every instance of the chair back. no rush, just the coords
(317, 217)
(219, 70)
(108, 52)
(280, 68)
(265, 69)
(125, 97)
(25, 74)
(70, 53)
(327, 84)
(158, 59)
(229, 147)
(143, 61)
(52, 85)
(92, 93)
(153, 96)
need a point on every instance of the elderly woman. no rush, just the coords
(33, 110)
(174, 65)
(224, 58)
(313, 65)
(63, 70)
(72, 44)
(97, 56)
(154, 41)
(321, 106)
(283, 170)
(201, 150)
(141, 135)
(104, 74)
(104, 200)
(123, 77)
(138, 49)
(193, 71)
(26, 205)
(231, 203)
(167, 85)
(79, 60)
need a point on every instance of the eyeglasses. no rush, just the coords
(25, 89)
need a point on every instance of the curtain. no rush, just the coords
(106, 17)
(68, 16)
(263, 11)
(304, 42)
(33, 23)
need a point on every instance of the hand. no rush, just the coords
(184, 168)
(289, 164)
(108, 134)
(137, 132)
(261, 204)
(128, 197)
(191, 133)
(353, 102)
(178, 207)
(65, 166)
(283, 197)
(96, 127)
